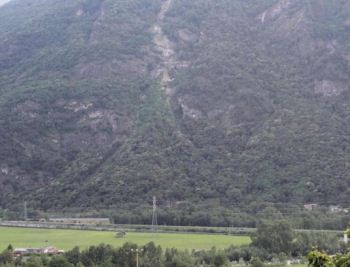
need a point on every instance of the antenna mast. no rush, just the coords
(154, 216)
(25, 211)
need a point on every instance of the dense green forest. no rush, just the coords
(256, 123)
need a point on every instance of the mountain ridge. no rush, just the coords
(226, 106)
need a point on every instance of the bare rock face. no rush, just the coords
(77, 106)
(190, 112)
(275, 11)
(329, 88)
(187, 36)
(79, 13)
(285, 19)
(101, 70)
(28, 109)
(3, 2)
(101, 126)
(154, 90)
(93, 69)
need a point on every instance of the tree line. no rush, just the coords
(272, 243)
(320, 258)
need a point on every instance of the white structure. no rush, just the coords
(80, 221)
(310, 206)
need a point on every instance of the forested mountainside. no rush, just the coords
(212, 106)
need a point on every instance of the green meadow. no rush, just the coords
(67, 239)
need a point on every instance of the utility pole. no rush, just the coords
(137, 255)
(154, 215)
(346, 239)
(25, 213)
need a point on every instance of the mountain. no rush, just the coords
(216, 107)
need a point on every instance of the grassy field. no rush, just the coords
(67, 239)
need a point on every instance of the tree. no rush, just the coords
(274, 237)
(96, 255)
(233, 254)
(319, 259)
(6, 257)
(175, 258)
(59, 261)
(34, 261)
(246, 255)
(73, 256)
(152, 256)
(219, 260)
(256, 262)
(123, 257)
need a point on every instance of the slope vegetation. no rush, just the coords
(220, 107)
